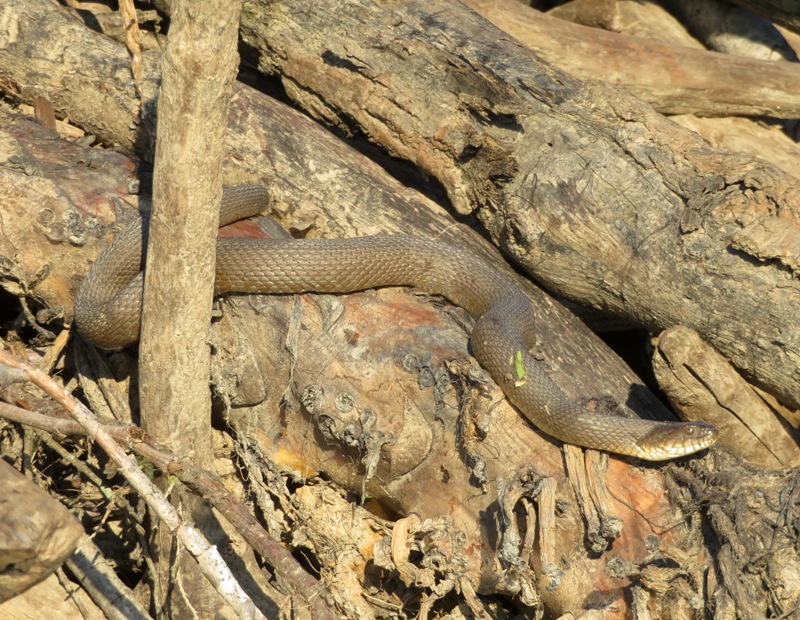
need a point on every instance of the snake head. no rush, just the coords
(677, 439)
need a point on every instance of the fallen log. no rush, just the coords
(730, 29)
(376, 392)
(674, 79)
(767, 140)
(702, 216)
(696, 379)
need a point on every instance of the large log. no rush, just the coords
(591, 191)
(324, 185)
(704, 217)
(365, 393)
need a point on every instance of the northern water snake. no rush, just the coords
(108, 307)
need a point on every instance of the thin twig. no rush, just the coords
(130, 435)
(207, 555)
(99, 580)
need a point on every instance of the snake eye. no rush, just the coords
(690, 430)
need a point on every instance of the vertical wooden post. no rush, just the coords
(198, 70)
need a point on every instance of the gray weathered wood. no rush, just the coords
(199, 69)
(674, 79)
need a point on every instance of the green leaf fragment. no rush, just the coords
(519, 369)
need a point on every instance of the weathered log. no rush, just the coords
(199, 72)
(770, 142)
(322, 183)
(423, 468)
(696, 378)
(597, 196)
(60, 602)
(645, 20)
(673, 78)
(768, 357)
(36, 533)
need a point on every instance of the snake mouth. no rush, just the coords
(672, 441)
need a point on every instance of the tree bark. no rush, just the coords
(301, 169)
(199, 68)
(422, 434)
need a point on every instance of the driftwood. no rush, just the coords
(422, 470)
(769, 142)
(701, 384)
(644, 20)
(558, 257)
(314, 170)
(207, 485)
(176, 304)
(438, 468)
(58, 596)
(364, 392)
(208, 556)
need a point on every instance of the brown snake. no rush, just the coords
(108, 307)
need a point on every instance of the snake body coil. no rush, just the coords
(108, 308)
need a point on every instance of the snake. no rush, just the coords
(109, 300)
